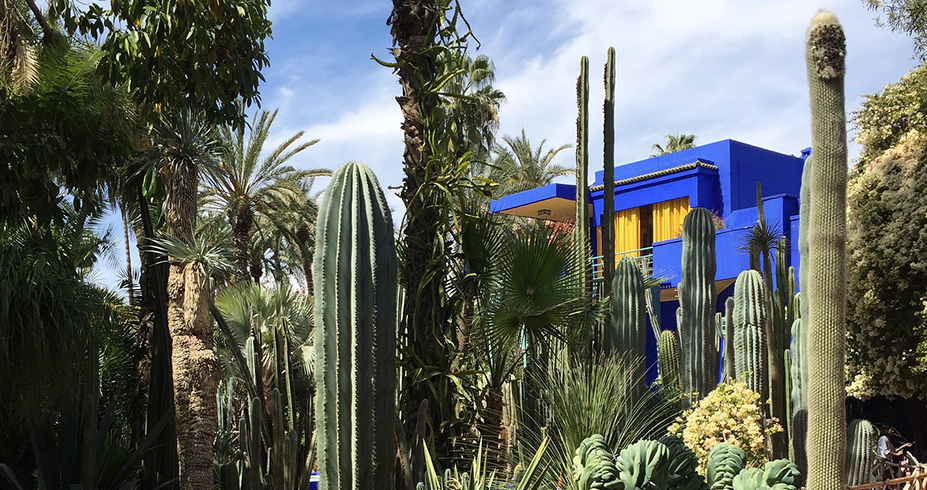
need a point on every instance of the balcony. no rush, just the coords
(643, 257)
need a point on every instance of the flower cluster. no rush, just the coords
(732, 414)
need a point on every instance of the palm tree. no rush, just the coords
(518, 166)
(183, 145)
(244, 183)
(471, 103)
(674, 143)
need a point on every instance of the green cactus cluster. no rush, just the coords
(751, 358)
(642, 464)
(697, 299)
(681, 472)
(355, 311)
(780, 474)
(725, 461)
(594, 466)
(826, 264)
(862, 438)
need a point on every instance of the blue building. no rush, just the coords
(653, 196)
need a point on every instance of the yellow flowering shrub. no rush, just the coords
(732, 413)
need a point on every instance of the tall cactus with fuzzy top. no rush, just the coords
(697, 300)
(826, 267)
(862, 438)
(629, 321)
(751, 356)
(355, 317)
(581, 230)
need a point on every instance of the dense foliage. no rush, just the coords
(888, 272)
(886, 117)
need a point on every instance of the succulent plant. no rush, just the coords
(643, 464)
(725, 461)
(355, 316)
(594, 466)
(697, 298)
(826, 265)
(750, 325)
(862, 437)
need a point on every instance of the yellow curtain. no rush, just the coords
(628, 231)
(598, 241)
(667, 218)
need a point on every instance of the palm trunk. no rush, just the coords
(241, 235)
(195, 365)
(130, 285)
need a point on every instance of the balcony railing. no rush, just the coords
(642, 256)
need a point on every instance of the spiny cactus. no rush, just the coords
(862, 438)
(750, 317)
(681, 471)
(581, 230)
(668, 357)
(725, 461)
(642, 464)
(594, 467)
(699, 357)
(729, 370)
(797, 376)
(608, 173)
(629, 321)
(799, 440)
(355, 312)
(826, 267)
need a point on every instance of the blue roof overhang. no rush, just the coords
(555, 202)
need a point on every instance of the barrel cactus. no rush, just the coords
(355, 317)
(826, 267)
(862, 438)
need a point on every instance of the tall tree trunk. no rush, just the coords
(155, 396)
(241, 235)
(412, 26)
(130, 284)
(195, 365)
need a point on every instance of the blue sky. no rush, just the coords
(714, 68)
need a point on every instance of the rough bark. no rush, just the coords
(195, 365)
(241, 235)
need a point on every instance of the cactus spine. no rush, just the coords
(862, 437)
(697, 302)
(608, 173)
(750, 320)
(628, 317)
(668, 357)
(355, 316)
(826, 390)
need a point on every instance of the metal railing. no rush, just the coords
(642, 256)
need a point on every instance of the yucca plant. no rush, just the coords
(583, 398)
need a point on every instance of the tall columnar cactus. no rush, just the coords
(751, 356)
(729, 368)
(629, 321)
(725, 461)
(668, 357)
(355, 318)
(826, 267)
(697, 301)
(798, 353)
(862, 438)
(608, 173)
(581, 230)
(594, 466)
